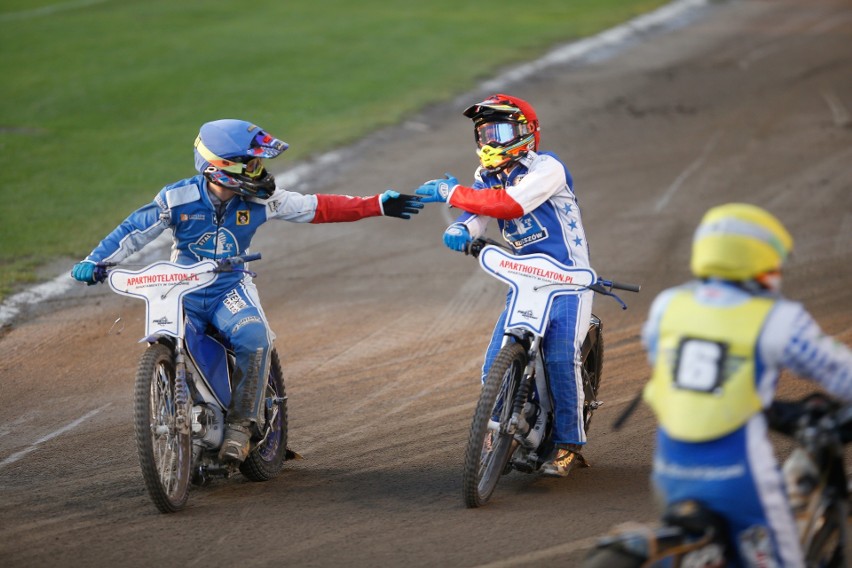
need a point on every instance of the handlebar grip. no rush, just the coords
(102, 271)
(251, 257)
(627, 287)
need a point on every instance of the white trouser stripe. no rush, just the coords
(770, 488)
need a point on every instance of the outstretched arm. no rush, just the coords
(546, 176)
(322, 208)
(342, 208)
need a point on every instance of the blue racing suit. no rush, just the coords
(537, 212)
(726, 460)
(204, 228)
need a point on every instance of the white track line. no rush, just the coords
(839, 113)
(16, 456)
(533, 558)
(602, 43)
(693, 167)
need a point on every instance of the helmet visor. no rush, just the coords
(499, 133)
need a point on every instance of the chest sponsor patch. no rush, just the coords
(243, 217)
(193, 217)
(215, 245)
(524, 230)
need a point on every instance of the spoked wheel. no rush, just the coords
(592, 369)
(267, 458)
(164, 452)
(489, 450)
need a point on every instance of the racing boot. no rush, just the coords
(566, 457)
(237, 442)
(243, 411)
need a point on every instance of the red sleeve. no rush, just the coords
(496, 203)
(344, 208)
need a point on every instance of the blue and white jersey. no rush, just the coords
(790, 339)
(549, 219)
(736, 475)
(200, 230)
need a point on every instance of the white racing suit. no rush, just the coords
(733, 470)
(538, 213)
(201, 231)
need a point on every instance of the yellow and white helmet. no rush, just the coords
(740, 242)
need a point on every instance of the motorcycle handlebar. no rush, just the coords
(627, 287)
(226, 264)
(788, 417)
(474, 247)
(223, 265)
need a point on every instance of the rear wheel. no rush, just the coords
(489, 450)
(267, 458)
(164, 446)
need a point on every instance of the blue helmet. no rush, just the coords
(229, 153)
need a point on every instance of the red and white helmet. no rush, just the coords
(506, 128)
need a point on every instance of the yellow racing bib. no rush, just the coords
(703, 384)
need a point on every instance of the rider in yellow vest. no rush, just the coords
(718, 345)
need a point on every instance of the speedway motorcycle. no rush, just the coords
(693, 536)
(513, 420)
(183, 386)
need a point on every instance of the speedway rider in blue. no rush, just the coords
(214, 215)
(718, 345)
(531, 195)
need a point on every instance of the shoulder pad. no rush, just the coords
(181, 194)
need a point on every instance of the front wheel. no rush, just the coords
(164, 445)
(489, 449)
(267, 458)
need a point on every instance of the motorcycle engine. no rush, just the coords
(208, 425)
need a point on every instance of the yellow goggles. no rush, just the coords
(252, 168)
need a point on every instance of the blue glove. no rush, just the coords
(457, 237)
(84, 272)
(437, 190)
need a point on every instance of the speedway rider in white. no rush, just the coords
(214, 215)
(531, 195)
(718, 345)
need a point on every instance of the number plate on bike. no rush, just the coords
(535, 280)
(162, 286)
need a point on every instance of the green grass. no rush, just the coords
(101, 99)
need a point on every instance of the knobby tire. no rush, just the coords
(483, 466)
(165, 454)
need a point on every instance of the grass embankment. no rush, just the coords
(102, 99)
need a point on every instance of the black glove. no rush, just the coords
(399, 205)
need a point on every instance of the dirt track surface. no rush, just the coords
(382, 329)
